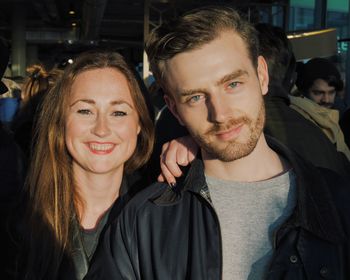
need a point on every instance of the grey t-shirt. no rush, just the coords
(249, 213)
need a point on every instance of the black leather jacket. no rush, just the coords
(168, 233)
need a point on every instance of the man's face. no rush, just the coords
(321, 93)
(216, 92)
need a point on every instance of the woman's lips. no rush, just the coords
(101, 148)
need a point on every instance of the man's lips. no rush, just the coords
(230, 133)
(100, 148)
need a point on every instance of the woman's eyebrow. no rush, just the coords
(89, 101)
(92, 102)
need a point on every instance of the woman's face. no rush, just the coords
(102, 123)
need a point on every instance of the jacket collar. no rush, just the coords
(277, 92)
(314, 211)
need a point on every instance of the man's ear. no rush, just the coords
(170, 102)
(263, 75)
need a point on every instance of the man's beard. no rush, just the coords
(233, 149)
(326, 105)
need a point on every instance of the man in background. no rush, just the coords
(284, 123)
(320, 81)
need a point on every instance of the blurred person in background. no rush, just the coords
(318, 82)
(11, 174)
(35, 87)
(283, 122)
(9, 102)
(11, 165)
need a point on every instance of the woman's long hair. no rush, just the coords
(50, 182)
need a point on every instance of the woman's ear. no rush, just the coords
(138, 128)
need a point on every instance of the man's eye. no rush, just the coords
(119, 114)
(195, 98)
(233, 84)
(84, 112)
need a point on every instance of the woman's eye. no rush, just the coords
(84, 112)
(119, 114)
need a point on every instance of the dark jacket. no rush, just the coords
(11, 181)
(168, 233)
(74, 263)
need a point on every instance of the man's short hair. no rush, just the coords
(318, 68)
(276, 48)
(193, 30)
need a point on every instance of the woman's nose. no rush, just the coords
(101, 127)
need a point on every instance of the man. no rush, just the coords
(249, 208)
(284, 123)
(319, 80)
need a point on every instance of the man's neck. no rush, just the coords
(261, 164)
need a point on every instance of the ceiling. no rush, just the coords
(115, 23)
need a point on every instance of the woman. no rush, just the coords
(93, 129)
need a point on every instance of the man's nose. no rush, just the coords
(326, 98)
(217, 109)
(101, 127)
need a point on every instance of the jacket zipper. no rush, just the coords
(211, 207)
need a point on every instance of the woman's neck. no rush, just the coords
(96, 194)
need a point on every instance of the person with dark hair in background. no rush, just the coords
(11, 173)
(248, 208)
(319, 80)
(283, 122)
(36, 85)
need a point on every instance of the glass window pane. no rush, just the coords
(301, 14)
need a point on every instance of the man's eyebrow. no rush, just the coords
(319, 90)
(224, 79)
(232, 76)
(185, 93)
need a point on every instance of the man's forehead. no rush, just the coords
(322, 84)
